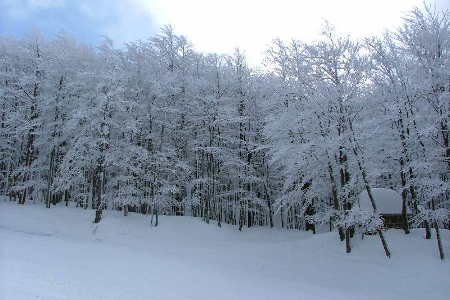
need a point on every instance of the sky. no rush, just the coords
(211, 26)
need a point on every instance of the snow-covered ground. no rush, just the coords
(60, 254)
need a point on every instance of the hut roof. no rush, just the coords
(388, 201)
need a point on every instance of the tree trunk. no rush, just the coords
(427, 230)
(438, 237)
(348, 249)
(369, 191)
(438, 234)
(241, 215)
(49, 181)
(374, 206)
(99, 210)
(335, 197)
(404, 198)
(269, 206)
(66, 197)
(98, 215)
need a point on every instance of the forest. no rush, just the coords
(159, 128)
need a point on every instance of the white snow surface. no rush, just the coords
(388, 201)
(59, 253)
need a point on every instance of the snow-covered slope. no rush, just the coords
(60, 254)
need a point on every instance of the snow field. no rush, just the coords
(60, 254)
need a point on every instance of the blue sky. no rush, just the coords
(212, 26)
(87, 20)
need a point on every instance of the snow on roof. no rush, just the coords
(388, 201)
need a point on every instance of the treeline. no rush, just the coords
(161, 128)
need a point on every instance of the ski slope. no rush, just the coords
(59, 253)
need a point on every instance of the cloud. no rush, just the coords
(251, 24)
(121, 20)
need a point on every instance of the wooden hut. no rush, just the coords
(389, 206)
